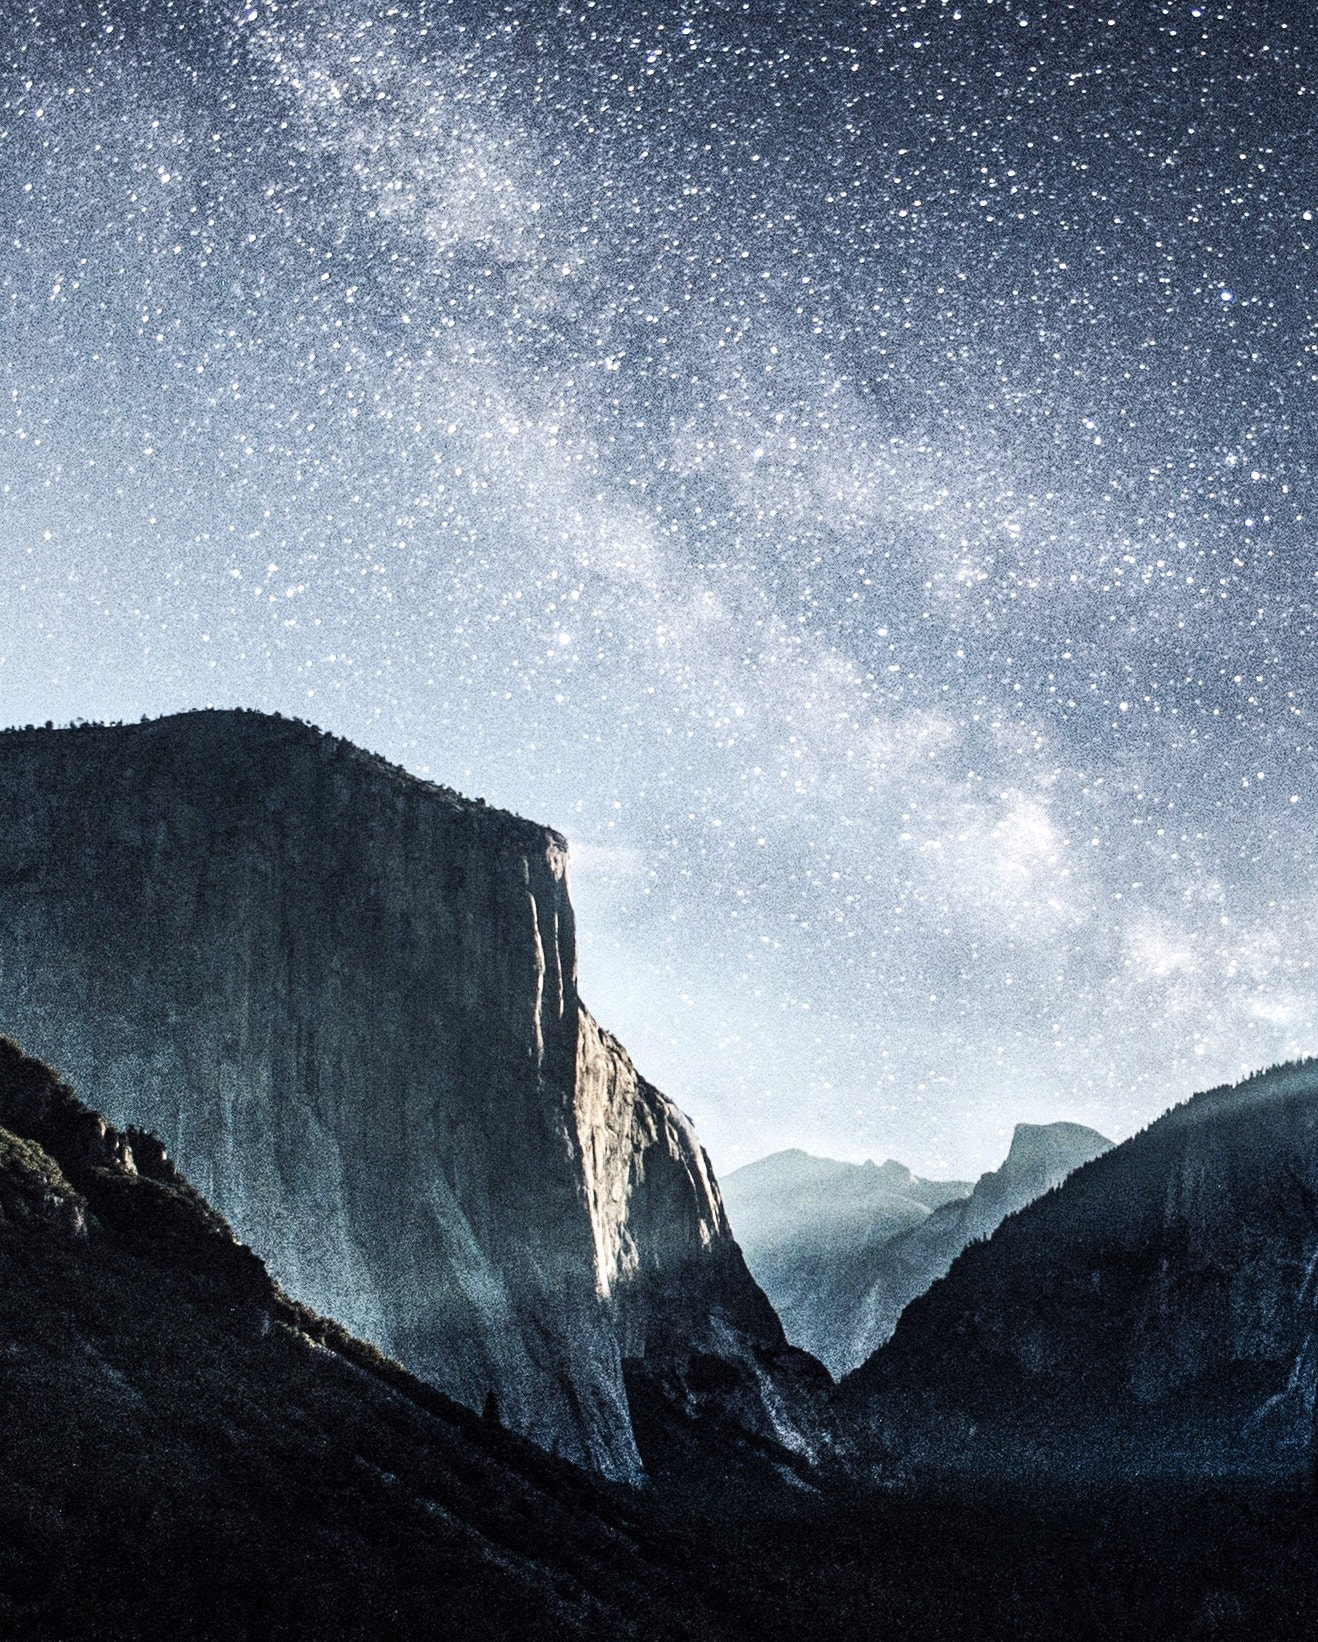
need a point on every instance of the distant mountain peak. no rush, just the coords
(1031, 1136)
(1155, 1314)
(1051, 1145)
(842, 1248)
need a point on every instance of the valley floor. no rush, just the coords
(1153, 1564)
(974, 1561)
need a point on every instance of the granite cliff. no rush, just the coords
(691, 1323)
(346, 1000)
(1154, 1316)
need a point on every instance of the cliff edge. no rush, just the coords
(345, 998)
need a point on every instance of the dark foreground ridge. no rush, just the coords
(185, 1451)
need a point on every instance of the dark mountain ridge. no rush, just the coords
(1154, 1315)
(1041, 1155)
(186, 1451)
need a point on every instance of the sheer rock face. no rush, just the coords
(345, 999)
(686, 1311)
(1155, 1314)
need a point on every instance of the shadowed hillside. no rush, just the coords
(184, 1451)
(1155, 1315)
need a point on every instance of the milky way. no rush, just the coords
(849, 467)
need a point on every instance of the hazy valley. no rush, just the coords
(841, 1249)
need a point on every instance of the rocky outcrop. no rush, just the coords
(186, 1451)
(1040, 1157)
(346, 1000)
(1154, 1315)
(813, 1230)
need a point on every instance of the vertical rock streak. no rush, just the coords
(676, 1286)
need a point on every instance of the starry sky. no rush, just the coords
(849, 466)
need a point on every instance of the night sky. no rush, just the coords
(851, 467)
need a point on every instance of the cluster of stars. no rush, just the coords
(846, 464)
